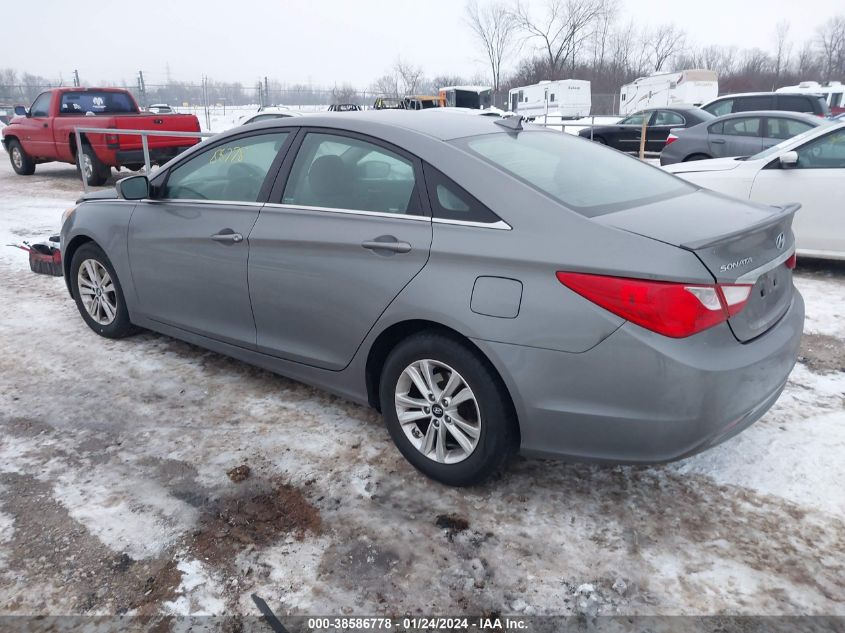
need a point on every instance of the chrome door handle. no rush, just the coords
(718, 141)
(392, 246)
(228, 238)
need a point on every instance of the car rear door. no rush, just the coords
(188, 246)
(738, 136)
(778, 129)
(818, 183)
(345, 230)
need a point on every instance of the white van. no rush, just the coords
(564, 98)
(685, 87)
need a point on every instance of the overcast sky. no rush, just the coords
(322, 41)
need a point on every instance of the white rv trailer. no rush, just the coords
(564, 98)
(685, 87)
(833, 92)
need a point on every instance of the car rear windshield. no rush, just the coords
(582, 175)
(97, 102)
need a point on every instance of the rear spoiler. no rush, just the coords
(782, 211)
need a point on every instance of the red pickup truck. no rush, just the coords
(45, 132)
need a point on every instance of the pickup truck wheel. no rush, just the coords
(96, 173)
(21, 163)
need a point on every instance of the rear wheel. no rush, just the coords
(95, 173)
(98, 294)
(21, 163)
(693, 157)
(447, 410)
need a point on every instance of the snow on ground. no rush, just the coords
(114, 494)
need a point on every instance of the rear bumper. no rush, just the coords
(157, 154)
(641, 397)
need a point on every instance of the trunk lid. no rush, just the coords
(739, 243)
(159, 123)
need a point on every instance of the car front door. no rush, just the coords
(660, 125)
(37, 137)
(188, 247)
(735, 137)
(778, 129)
(627, 133)
(818, 183)
(346, 229)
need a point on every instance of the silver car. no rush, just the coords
(488, 288)
(740, 134)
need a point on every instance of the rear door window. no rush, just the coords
(664, 117)
(233, 171)
(796, 103)
(746, 126)
(341, 172)
(725, 106)
(751, 103)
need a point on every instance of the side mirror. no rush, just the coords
(789, 159)
(133, 188)
(21, 111)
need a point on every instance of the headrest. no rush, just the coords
(328, 176)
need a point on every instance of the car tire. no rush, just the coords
(100, 301)
(485, 416)
(21, 162)
(693, 157)
(96, 173)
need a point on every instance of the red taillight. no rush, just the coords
(792, 261)
(671, 139)
(669, 308)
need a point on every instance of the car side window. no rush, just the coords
(450, 201)
(721, 107)
(41, 105)
(826, 152)
(795, 103)
(634, 119)
(716, 128)
(785, 128)
(749, 104)
(233, 171)
(746, 126)
(664, 117)
(341, 172)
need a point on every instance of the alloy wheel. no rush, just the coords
(17, 159)
(97, 291)
(438, 412)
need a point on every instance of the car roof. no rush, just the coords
(780, 114)
(426, 122)
(680, 108)
(763, 94)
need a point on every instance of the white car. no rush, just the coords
(161, 108)
(808, 168)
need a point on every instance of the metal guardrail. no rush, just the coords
(144, 134)
(563, 123)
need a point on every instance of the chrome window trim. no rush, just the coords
(201, 201)
(501, 225)
(376, 214)
(753, 275)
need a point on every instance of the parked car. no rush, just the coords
(268, 114)
(753, 101)
(741, 134)
(161, 108)
(45, 132)
(345, 107)
(808, 168)
(486, 287)
(625, 135)
(388, 103)
(422, 102)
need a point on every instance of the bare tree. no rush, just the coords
(494, 27)
(409, 74)
(387, 84)
(783, 48)
(663, 43)
(831, 38)
(562, 28)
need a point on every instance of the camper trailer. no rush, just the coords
(564, 98)
(832, 91)
(475, 97)
(685, 87)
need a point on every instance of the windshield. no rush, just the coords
(774, 149)
(584, 176)
(98, 102)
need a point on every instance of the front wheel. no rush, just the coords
(21, 163)
(447, 409)
(98, 294)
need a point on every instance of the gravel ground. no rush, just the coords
(147, 476)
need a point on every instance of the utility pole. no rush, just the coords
(142, 88)
(267, 90)
(76, 79)
(205, 102)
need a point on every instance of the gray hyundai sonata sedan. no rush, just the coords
(488, 288)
